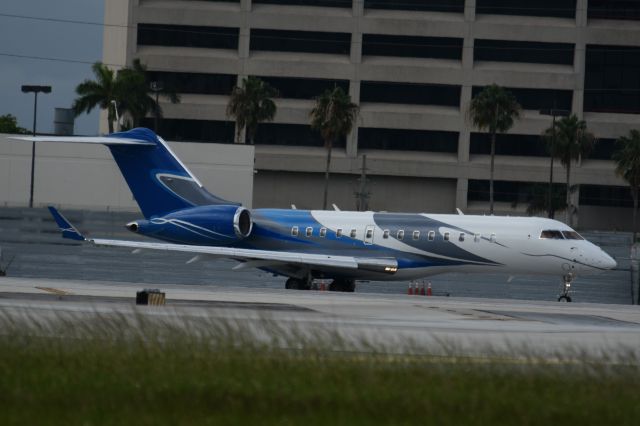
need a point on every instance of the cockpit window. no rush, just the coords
(572, 235)
(552, 235)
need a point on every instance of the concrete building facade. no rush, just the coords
(413, 67)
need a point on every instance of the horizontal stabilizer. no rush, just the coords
(68, 230)
(105, 140)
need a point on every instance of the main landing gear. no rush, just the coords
(343, 285)
(565, 288)
(348, 286)
(298, 284)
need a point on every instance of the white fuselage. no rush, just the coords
(511, 245)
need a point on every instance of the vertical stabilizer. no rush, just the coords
(159, 181)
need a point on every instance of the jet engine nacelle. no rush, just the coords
(210, 225)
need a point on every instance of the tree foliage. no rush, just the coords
(250, 104)
(495, 110)
(333, 116)
(627, 158)
(9, 124)
(538, 201)
(128, 87)
(572, 141)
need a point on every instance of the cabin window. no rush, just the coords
(492, 238)
(309, 231)
(294, 231)
(385, 234)
(416, 235)
(353, 233)
(323, 232)
(551, 235)
(400, 234)
(476, 238)
(461, 237)
(572, 235)
(338, 232)
(432, 235)
(369, 233)
(446, 236)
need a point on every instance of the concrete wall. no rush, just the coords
(85, 176)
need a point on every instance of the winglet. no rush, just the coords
(67, 229)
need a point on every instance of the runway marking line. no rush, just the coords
(54, 291)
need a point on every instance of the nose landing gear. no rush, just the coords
(565, 288)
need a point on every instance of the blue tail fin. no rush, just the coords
(158, 180)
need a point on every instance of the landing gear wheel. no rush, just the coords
(566, 288)
(297, 284)
(290, 284)
(346, 286)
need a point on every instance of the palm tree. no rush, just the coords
(627, 158)
(494, 109)
(572, 141)
(251, 104)
(99, 92)
(539, 199)
(128, 88)
(333, 116)
(137, 97)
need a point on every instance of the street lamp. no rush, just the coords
(35, 90)
(156, 87)
(553, 112)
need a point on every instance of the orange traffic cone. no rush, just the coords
(429, 292)
(323, 286)
(422, 290)
(410, 291)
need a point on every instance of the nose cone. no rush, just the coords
(607, 261)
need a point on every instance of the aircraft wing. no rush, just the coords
(388, 265)
(268, 257)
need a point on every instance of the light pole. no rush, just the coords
(35, 90)
(553, 112)
(156, 87)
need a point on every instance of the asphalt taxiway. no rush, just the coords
(464, 326)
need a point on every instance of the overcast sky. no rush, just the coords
(48, 39)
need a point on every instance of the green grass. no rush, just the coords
(114, 370)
